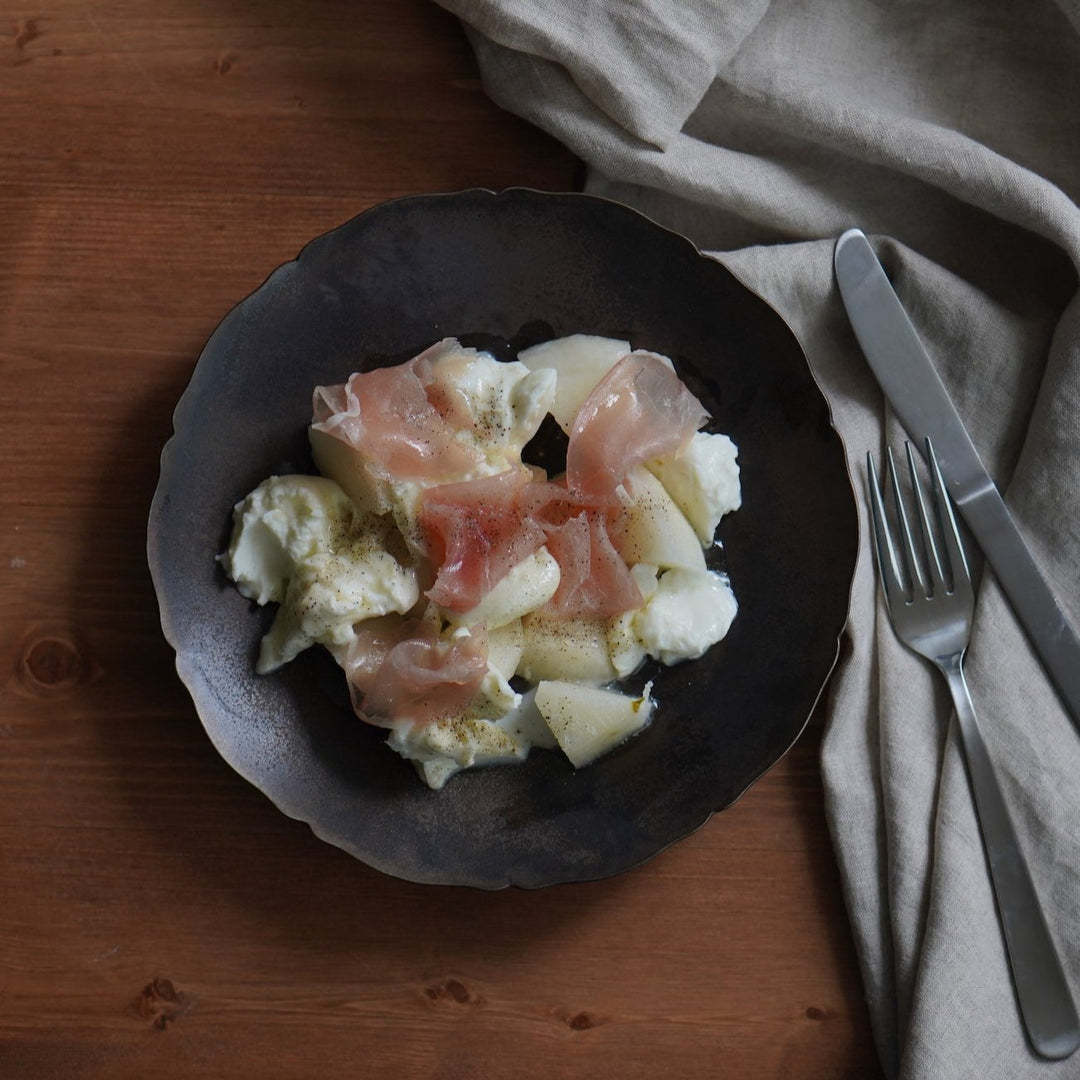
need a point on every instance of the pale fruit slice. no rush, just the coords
(579, 361)
(588, 722)
(529, 585)
(557, 648)
(505, 645)
(339, 461)
(625, 646)
(652, 529)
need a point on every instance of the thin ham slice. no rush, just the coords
(594, 579)
(402, 670)
(476, 533)
(639, 410)
(399, 419)
(479, 530)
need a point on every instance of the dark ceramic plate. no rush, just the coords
(507, 270)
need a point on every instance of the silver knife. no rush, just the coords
(920, 399)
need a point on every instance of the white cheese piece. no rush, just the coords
(588, 721)
(703, 479)
(444, 747)
(690, 611)
(501, 404)
(299, 541)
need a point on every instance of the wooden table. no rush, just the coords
(158, 916)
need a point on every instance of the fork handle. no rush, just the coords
(1041, 987)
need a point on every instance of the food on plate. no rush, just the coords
(586, 720)
(477, 606)
(299, 541)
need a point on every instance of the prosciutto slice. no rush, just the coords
(594, 578)
(402, 669)
(479, 530)
(401, 420)
(476, 533)
(639, 410)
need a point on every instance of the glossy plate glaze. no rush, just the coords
(507, 270)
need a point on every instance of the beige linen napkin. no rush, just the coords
(949, 131)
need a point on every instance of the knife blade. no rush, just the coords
(915, 390)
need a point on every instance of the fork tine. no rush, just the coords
(892, 581)
(915, 576)
(936, 571)
(950, 531)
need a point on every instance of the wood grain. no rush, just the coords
(157, 915)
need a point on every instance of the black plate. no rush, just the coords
(507, 269)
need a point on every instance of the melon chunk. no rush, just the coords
(528, 585)
(586, 721)
(579, 361)
(342, 464)
(652, 529)
(558, 648)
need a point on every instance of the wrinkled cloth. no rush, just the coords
(949, 132)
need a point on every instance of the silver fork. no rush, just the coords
(928, 593)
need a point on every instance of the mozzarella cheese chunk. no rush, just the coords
(299, 541)
(690, 611)
(445, 747)
(703, 480)
(505, 403)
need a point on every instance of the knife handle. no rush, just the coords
(1035, 605)
(1042, 989)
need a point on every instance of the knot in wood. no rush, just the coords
(159, 1002)
(453, 990)
(581, 1021)
(51, 664)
